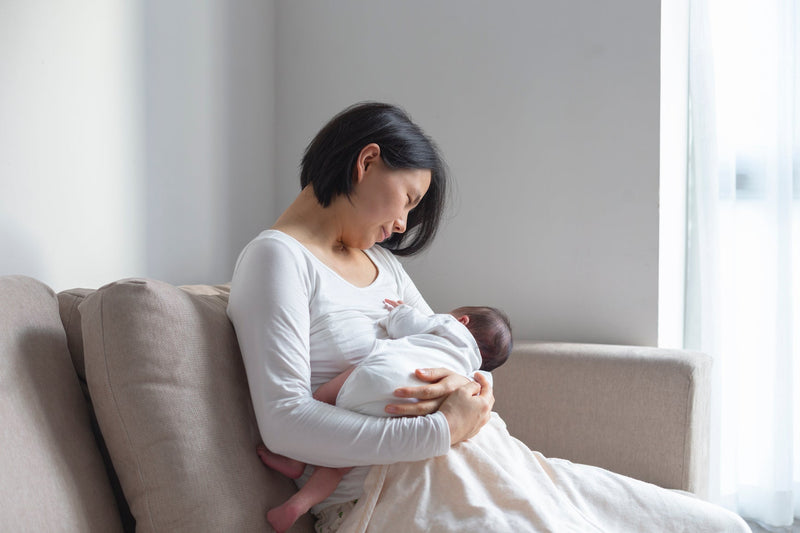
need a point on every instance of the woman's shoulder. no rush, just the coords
(274, 239)
(270, 247)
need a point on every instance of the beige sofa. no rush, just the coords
(130, 402)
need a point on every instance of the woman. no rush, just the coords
(306, 296)
(305, 300)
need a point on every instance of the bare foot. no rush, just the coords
(281, 518)
(288, 467)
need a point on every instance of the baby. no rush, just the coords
(465, 340)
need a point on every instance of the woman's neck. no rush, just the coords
(310, 223)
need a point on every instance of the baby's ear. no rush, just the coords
(464, 319)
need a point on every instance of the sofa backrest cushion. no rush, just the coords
(53, 478)
(68, 302)
(170, 393)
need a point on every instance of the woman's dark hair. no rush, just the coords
(492, 331)
(329, 164)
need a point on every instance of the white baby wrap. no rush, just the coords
(414, 341)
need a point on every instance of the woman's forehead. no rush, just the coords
(420, 179)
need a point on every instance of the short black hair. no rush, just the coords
(329, 164)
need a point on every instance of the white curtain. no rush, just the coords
(743, 246)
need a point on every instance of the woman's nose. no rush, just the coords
(399, 225)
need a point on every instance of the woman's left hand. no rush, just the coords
(442, 382)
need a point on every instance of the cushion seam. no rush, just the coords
(121, 419)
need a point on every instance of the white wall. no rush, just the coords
(71, 207)
(136, 138)
(155, 138)
(548, 114)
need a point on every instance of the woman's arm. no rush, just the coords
(269, 307)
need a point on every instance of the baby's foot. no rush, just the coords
(283, 517)
(286, 466)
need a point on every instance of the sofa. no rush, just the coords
(127, 407)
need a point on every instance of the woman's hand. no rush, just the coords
(442, 381)
(468, 409)
(466, 405)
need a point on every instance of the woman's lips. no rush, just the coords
(385, 235)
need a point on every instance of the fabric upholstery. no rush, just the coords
(68, 302)
(641, 412)
(52, 473)
(171, 398)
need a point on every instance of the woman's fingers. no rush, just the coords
(432, 375)
(486, 398)
(442, 382)
(486, 387)
(424, 407)
(423, 392)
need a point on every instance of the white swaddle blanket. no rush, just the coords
(414, 340)
(494, 483)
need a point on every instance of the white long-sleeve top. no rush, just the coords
(300, 324)
(415, 340)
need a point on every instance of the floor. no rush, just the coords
(760, 529)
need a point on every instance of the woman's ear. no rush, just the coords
(368, 155)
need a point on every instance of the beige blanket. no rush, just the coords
(494, 483)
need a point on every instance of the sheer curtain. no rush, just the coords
(743, 246)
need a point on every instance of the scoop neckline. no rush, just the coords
(368, 252)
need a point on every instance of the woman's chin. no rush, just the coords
(366, 244)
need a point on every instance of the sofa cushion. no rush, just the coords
(171, 397)
(68, 302)
(52, 474)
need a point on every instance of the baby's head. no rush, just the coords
(492, 331)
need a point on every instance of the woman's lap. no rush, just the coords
(494, 483)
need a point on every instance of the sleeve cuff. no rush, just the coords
(442, 435)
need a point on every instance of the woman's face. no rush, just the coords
(381, 201)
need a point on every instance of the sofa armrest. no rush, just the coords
(641, 412)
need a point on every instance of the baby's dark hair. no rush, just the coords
(492, 331)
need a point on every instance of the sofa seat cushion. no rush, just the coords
(53, 477)
(170, 393)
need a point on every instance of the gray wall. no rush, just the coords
(208, 107)
(548, 114)
(156, 138)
